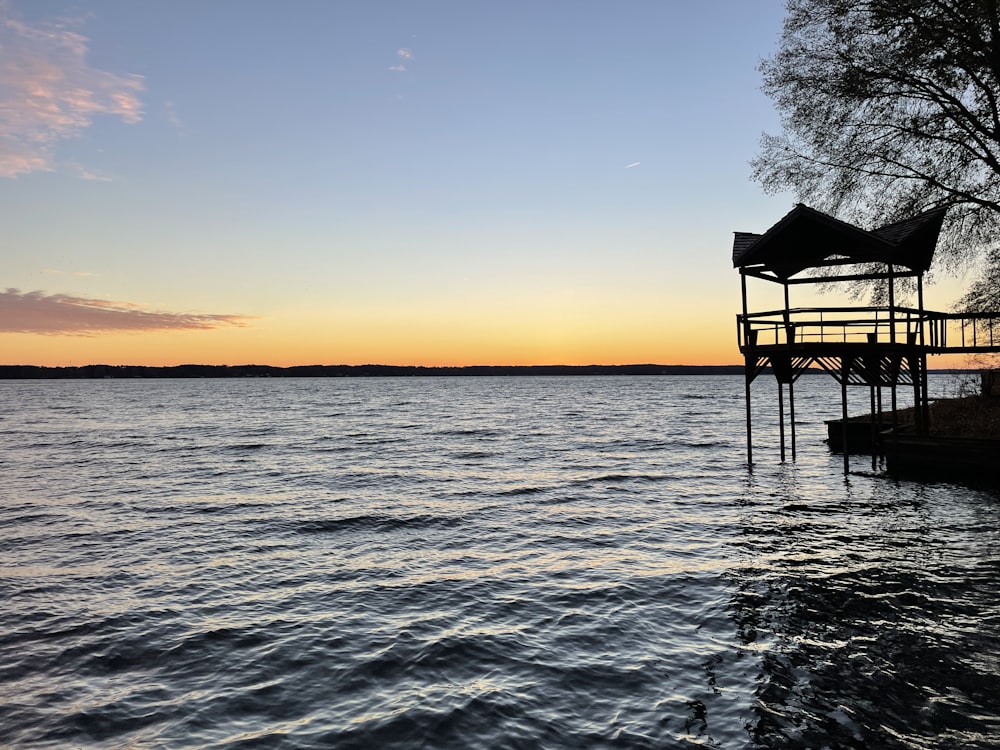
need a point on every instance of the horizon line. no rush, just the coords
(370, 365)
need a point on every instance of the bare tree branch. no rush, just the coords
(888, 108)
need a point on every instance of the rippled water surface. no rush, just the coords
(477, 563)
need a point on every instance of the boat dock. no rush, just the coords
(881, 348)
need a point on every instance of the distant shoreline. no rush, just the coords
(98, 372)
(34, 372)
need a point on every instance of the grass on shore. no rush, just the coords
(965, 417)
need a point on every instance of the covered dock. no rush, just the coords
(879, 347)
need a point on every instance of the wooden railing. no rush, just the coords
(978, 330)
(937, 332)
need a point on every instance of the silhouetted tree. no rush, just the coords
(889, 108)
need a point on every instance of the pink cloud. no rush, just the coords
(49, 93)
(37, 312)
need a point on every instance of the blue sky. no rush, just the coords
(420, 182)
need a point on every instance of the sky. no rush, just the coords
(436, 182)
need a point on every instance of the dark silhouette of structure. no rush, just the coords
(877, 347)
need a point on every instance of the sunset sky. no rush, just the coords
(358, 181)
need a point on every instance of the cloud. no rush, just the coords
(170, 112)
(403, 55)
(86, 174)
(49, 93)
(71, 273)
(37, 312)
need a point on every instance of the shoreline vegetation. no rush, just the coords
(967, 417)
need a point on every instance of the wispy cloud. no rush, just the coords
(403, 55)
(56, 271)
(86, 174)
(49, 93)
(38, 312)
(170, 112)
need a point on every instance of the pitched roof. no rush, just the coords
(806, 238)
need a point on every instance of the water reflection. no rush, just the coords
(875, 612)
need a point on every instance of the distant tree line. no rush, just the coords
(9, 372)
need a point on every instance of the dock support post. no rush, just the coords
(746, 380)
(781, 418)
(926, 416)
(918, 411)
(881, 424)
(845, 367)
(874, 418)
(791, 413)
(895, 418)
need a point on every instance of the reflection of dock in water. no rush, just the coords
(871, 612)
(877, 347)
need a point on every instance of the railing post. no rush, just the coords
(892, 306)
(920, 305)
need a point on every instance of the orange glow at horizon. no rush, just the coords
(560, 327)
(407, 347)
(423, 340)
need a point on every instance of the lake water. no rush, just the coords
(521, 562)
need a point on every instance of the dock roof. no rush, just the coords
(806, 238)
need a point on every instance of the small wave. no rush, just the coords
(374, 522)
(364, 438)
(615, 478)
(518, 491)
(470, 432)
(472, 455)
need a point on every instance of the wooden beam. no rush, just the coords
(846, 277)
